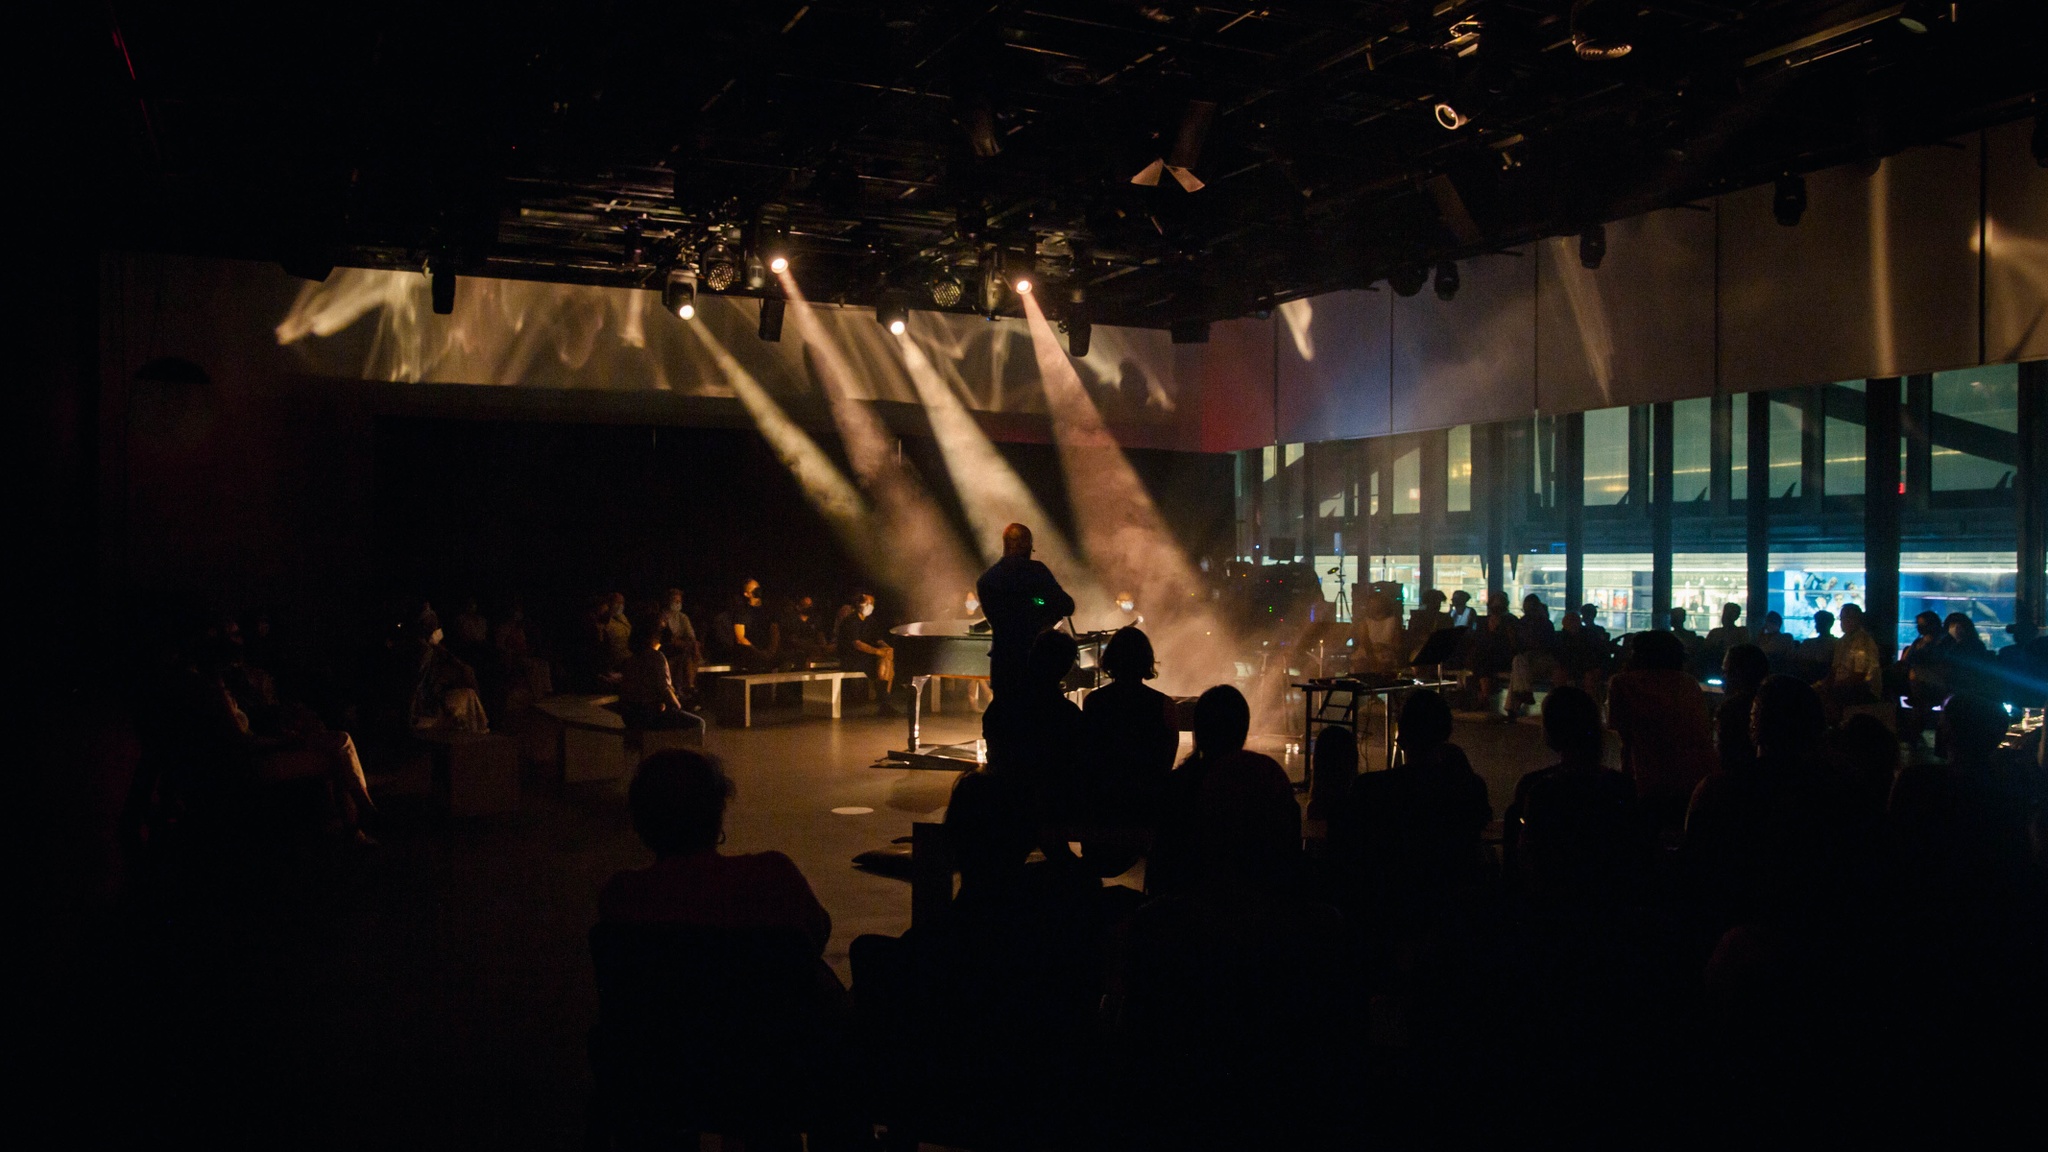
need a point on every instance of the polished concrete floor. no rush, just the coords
(436, 991)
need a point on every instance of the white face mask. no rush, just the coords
(866, 610)
(1126, 605)
(973, 605)
(435, 638)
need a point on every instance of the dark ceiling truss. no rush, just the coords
(900, 139)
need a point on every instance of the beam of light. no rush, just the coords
(920, 557)
(991, 492)
(1589, 316)
(1122, 533)
(824, 485)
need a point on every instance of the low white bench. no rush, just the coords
(821, 690)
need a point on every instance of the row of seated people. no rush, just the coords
(1834, 942)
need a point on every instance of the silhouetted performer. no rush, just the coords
(1020, 598)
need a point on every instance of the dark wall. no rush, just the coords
(556, 512)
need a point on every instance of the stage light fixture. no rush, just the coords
(1449, 118)
(720, 267)
(679, 295)
(778, 264)
(772, 308)
(1407, 281)
(1600, 29)
(443, 290)
(1447, 280)
(1022, 285)
(1788, 200)
(946, 290)
(1592, 246)
(1079, 333)
(771, 241)
(892, 311)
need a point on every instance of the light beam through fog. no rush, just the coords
(1125, 539)
(990, 490)
(824, 485)
(916, 552)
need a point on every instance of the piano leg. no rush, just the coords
(916, 709)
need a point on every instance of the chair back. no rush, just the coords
(719, 1028)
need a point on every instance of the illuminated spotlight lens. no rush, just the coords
(1023, 286)
(1450, 118)
(895, 327)
(779, 264)
(719, 275)
(946, 292)
(687, 311)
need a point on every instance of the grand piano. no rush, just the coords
(958, 648)
(928, 648)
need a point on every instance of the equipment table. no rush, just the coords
(1334, 703)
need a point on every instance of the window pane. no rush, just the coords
(1970, 409)
(1534, 573)
(1803, 583)
(1606, 456)
(1738, 448)
(1692, 450)
(1408, 482)
(1543, 461)
(1842, 446)
(1458, 483)
(1618, 585)
(1270, 462)
(1980, 585)
(1704, 583)
(1455, 573)
(1787, 424)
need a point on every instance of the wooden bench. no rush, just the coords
(821, 689)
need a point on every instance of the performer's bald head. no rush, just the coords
(1016, 541)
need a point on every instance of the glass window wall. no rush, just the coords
(1692, 451)
(1458, 474)
(1607, 444)
(1788, 423)
(1971, 410)
(1408, 482)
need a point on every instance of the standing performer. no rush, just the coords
(1020, 598)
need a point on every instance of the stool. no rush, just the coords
(476, 773)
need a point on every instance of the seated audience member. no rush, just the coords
(803, 636)
(1767, 843)
(1594, 835)
(1778, 647)
(1535, 658)
(1743, 669)
(1865, 756)
(685, 654)
(1589, 614)
(1968, 660)
(1427, 619)
(989, 1001)
(1222, 721)
(1461, 614)
(1490, 648)
(753, 634)
(1334, 768)
(1582, 653)
(1409, 835)
(472, 630)
(1667, 741)
(1035, 739)
(1686, 636)
(678, 800)
(647, 695)
(1813, 657)
(1721, 639)
(1235, 1005)
(617, 632)
(1966, 821)
(864, 647)
(230, 756)
(444, 689)
(1379, 647)
(1129, 733)
(1855, 673)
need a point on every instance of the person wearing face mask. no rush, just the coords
(753, 634)
(864, 647)
(444, 694)
(1021, 598)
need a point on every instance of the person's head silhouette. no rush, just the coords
(678, 800)
(1128, 655)
(1052, 657)
(1016, 541)
(1425, 724)
(1787, 721)
(1222, 721)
